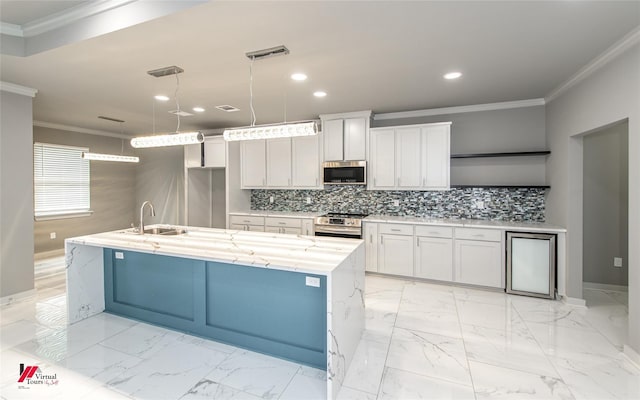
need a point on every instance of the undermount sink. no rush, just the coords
(165, 231)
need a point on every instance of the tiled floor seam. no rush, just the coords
(464, 345)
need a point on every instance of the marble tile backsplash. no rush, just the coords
(504, 204)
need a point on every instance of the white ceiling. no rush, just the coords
(386, 56)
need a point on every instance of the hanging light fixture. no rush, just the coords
(111, 157)
(253, 132)
(172, 139)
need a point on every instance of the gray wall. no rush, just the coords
(606, 190)
(16, 193)
(609, 95)
(515, 129)
(112, 190)
(160, 179)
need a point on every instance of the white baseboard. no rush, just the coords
(631, 355)
(48, 254)
(605, 286)
(574, 301)
(17, 297)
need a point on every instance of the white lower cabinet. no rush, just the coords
(371, 246)
(291, 226)
(395, 254)
(434, 258)
(479, 262)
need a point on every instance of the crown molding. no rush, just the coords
(594, 65)
(62, 18)
(460, 109)
(51, 125)
(11, 29)
(18, 89)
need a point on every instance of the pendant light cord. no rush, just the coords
(177, 102)
(253, 112)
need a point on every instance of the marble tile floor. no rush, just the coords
(422, 341)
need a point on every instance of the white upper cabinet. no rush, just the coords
(382, 165)
(414, 157)
(253, 163)
(408, 152)
(305, 151)
(279, 162)
(436, 149)
(345, 136)
(214, 152)
(355, 139)
(193, 156)
(286, 163)
(333, 132)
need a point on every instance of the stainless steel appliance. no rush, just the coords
(345, 172)
(531, 264)
(343, 225)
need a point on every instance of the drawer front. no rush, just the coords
(246, 220)
(396, 229)
(283, 222)
(487, 235)
(434, 231)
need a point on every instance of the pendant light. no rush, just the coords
(111, 157)
(173, 139)
(253, 132)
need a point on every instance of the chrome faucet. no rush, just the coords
(153, 214)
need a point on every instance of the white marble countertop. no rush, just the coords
(281, 214)
(307, 254)
(468, 223)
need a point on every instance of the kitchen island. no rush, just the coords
(294, 297)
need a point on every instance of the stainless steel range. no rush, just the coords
(343, 225)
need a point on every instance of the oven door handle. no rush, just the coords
(337, 229)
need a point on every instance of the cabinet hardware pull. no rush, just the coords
(281, 223)
(418, 242)
(371, 238)
(395, 230)
(478, 235)
(433, 233)
(374, 181)
(316, 181)
(382, 240)
(398, 181)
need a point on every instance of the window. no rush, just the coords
(61, 181)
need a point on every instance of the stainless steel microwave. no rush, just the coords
(345, 172)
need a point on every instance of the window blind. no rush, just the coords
(61, 180)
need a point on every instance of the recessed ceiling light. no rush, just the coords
(198, 109)
(452, 75)
(298, 76)
(161, 97)
(320, 93)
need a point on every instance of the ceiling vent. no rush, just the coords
(266, 53)
(160, 72)
(227, 108)
(180, 113)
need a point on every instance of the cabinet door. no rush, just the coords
(371, 247)
(193, 155)
(382, 162)
(355, 139)
(305, 170)
(279, 162)
(395, 255)
(408, 172)
(332, 131)
(478, 263)
(434, 258)
(436, 156)
(214, 152)
(253, 163)
(307, 227)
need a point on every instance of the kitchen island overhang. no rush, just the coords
(219, 261)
